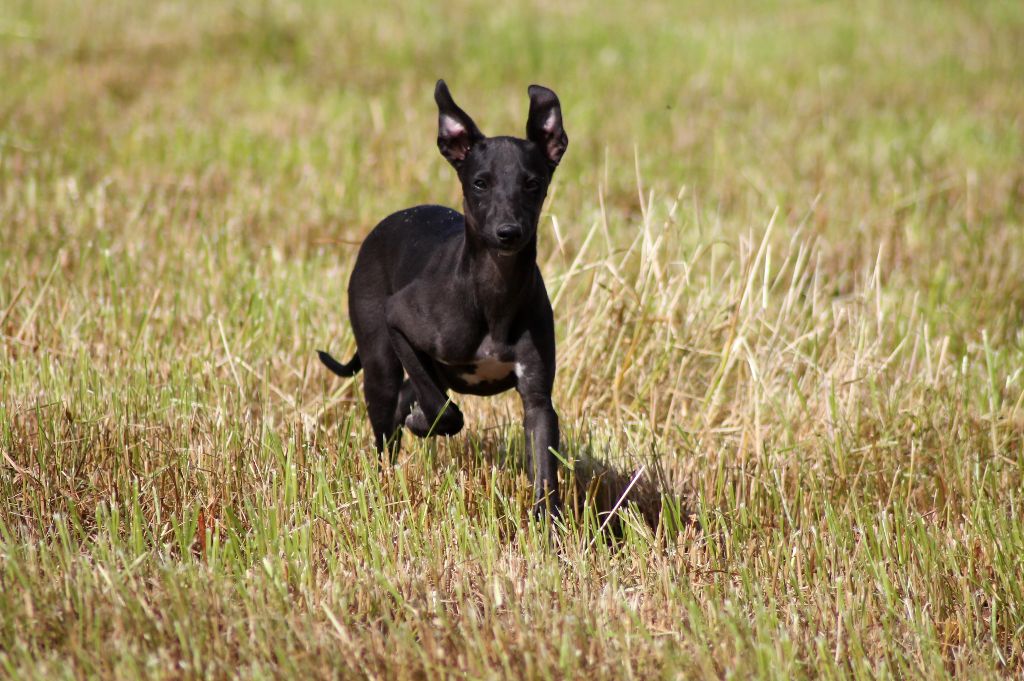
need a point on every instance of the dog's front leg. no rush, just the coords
(433, 414)
(541, 426)
(535, 379)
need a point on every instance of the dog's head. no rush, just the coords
(504, 179)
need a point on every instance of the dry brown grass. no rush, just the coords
(787, 260)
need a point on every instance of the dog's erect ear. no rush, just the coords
(544, 127)
(456, 131)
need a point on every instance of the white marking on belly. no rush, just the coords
(520, 370)
(487, 371)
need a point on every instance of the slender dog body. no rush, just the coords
(444, 301)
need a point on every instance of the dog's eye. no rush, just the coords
(480, 184)
(532, 184)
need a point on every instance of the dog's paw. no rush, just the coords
(547, 509)
(449, 423)
(416, 422)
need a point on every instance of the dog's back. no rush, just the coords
(401, 246)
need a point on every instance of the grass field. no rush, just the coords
(786, 254)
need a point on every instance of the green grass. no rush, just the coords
(786, 251)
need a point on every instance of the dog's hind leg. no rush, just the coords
(382, 387)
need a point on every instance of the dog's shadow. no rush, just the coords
(596, 493)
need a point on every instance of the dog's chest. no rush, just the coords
(491, 363)
(487, 370)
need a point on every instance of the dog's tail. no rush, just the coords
(346, 370)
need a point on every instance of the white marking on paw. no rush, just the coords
(520, 370)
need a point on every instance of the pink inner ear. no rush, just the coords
(451, 127)
(551, 123)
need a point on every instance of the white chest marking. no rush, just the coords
(487, 371)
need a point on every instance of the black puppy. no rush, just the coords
(457, 302)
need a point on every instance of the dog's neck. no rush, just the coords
(500, 281)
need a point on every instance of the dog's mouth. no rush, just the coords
(506, 252)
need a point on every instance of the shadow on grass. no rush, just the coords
(596, 489)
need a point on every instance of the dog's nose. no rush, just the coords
(509, 233)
